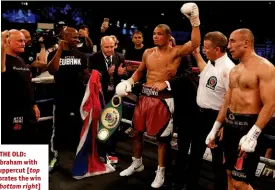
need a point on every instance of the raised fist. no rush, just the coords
(191, 11)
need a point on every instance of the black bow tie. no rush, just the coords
(213, 63)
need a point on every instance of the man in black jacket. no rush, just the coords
(110, 64)
(184, 90)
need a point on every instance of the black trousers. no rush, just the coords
(194, 130)
(66, 129)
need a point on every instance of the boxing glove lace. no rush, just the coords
(248, 142)
(191, 11)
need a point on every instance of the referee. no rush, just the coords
(213, 84)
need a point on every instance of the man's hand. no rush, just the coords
(159, 86)
(41, 39)
(196, 51)
(212, 144)
(210, 139)
(36, 112)
(121, 70)
(62, 45)
(248, 142)
(83, 33)
(191, 11)
(124, 87)
(105, 25)
(111, 70)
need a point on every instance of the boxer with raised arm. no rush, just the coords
(154, 109)
(248, 107)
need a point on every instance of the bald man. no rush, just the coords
(69, 67)
(248, 107)
(19, 106)
(28, 38)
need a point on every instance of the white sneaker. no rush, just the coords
(159, 179)
(136, 166)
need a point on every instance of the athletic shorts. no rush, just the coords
(154, 114)
(244, 166)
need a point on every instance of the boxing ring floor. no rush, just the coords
(62, 180)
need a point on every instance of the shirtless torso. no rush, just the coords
(161, 65)
(245, 80)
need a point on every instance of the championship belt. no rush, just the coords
(110, 118)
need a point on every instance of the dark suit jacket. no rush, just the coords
(97, 62)
(184, 90)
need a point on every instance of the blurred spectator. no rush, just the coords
(135, 51)
(86, 44)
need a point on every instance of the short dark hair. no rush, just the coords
(137, 32)
(167, 29)
(84, 26)
(218, 39)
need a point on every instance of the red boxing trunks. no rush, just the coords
(154, 113)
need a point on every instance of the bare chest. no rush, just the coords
(159, 61)
(244, 78)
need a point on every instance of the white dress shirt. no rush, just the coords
(213, 83)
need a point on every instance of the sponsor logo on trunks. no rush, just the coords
(237, 123)
(18, 120)
(149, 91)
(70, 61)
(20, 68)
(239, 174)
(231, 116)
(212, 82)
